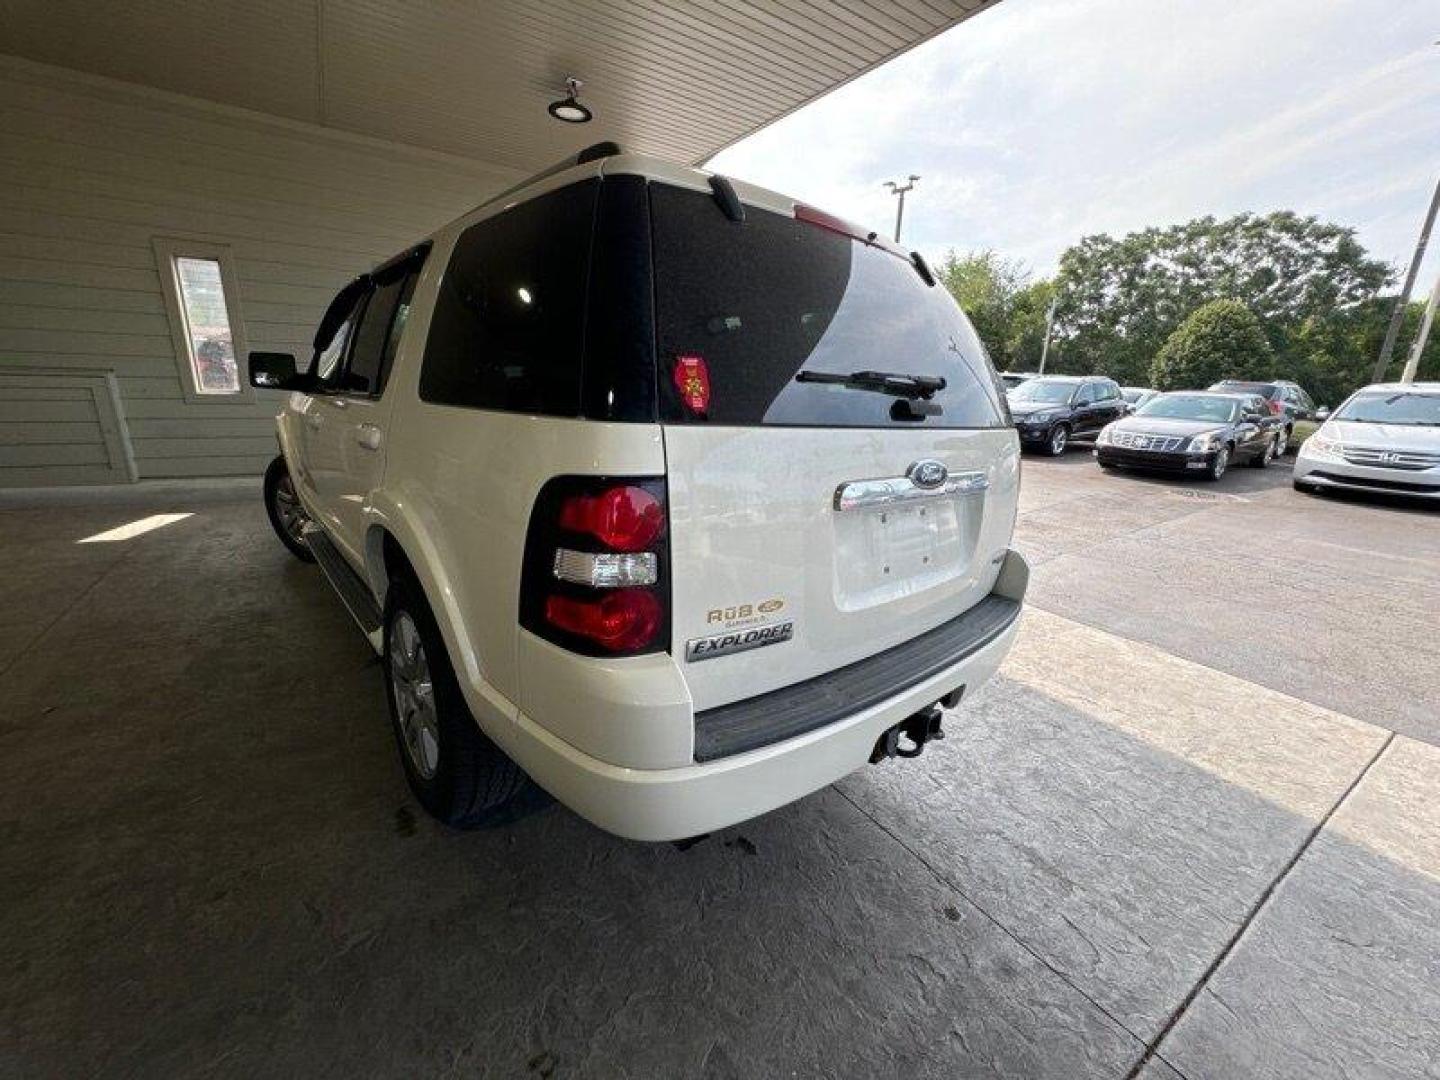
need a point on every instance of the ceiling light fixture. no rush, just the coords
(568, 108)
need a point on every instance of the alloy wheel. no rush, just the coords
(1058, 438)
(288, 509)
(1222, 461)
(414, 693)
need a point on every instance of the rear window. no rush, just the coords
(508, 327)
(1233, 385)
(761, 300)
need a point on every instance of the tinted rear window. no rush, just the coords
(761, 300)
(508, 327)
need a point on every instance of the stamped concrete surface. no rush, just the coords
(1346, 956)
(1126, 840)
(1126, 860)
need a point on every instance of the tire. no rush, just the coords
(282, 506)
(1262, 459)
(1058, 441)
(1282, 441)
(1218, 464)
(458, 775)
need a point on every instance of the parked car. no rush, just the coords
(756, 539)
(1051, 410)
(1193, 431)
(1384, 438)
(1135, 396)
(1282, 397)
(1012, 379)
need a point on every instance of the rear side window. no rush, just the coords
(370, 336)
(760, 300)
(508, 328)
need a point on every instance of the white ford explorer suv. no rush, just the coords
(681, 498)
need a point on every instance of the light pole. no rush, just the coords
(1049, 326)
(1397, 314)
(898, 189)
(1413, 364)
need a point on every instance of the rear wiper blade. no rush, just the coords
(896, 384)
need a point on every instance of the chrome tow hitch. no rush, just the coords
(916, 730)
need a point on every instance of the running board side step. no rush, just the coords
(350, 586)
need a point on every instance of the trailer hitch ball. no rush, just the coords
(907, 739)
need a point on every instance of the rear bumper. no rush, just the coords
(670, 804)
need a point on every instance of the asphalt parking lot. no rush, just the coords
(1191, 830)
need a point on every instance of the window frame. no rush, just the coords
(408, 266)
(168, 250)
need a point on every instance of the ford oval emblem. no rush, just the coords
(928, 473)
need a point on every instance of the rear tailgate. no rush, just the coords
(775, 578)
(772, 585)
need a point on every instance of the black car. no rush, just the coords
(1285, 399)
(1050, 410)
(1193, 431)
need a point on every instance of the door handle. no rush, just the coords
(368, 436)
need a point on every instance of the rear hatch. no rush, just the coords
(810, 523)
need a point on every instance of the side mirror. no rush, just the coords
(275, 371)
(1322, 414)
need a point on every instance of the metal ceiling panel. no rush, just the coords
(678, 78)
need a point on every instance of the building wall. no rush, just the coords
(92, 172)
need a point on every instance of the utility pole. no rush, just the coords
(1397, 313)
(1413, 364)
(1049, 325)
(897, 189)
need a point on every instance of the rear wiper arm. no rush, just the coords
(893, 383)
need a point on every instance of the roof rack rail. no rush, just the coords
(594, 152)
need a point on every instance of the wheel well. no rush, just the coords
(385, 560)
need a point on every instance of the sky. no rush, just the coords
(1038, 122)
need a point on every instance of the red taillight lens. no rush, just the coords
(621, 621)
(1275, 407)
(621, 518)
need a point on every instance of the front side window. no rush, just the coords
(742, 308)
(508, 327)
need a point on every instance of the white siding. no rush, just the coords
(92, 171)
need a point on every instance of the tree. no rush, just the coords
(987, 287)
(1219, 340)
(1120, 300)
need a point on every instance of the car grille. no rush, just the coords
(1414, 460)
(1135, 440)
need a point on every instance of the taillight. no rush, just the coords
(623, 517)
(622, 621)
(1275, 406)
(595, 577)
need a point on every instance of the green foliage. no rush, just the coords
(1120, 300)
(1007, 308)
(1313, 288)
(1219, 340)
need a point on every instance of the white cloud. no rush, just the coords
(1040, 121)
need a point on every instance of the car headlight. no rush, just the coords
(1042, 417)
(1320, 445)
(1204, 444)
(1105, 435)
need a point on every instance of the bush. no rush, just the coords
(1218, 340)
